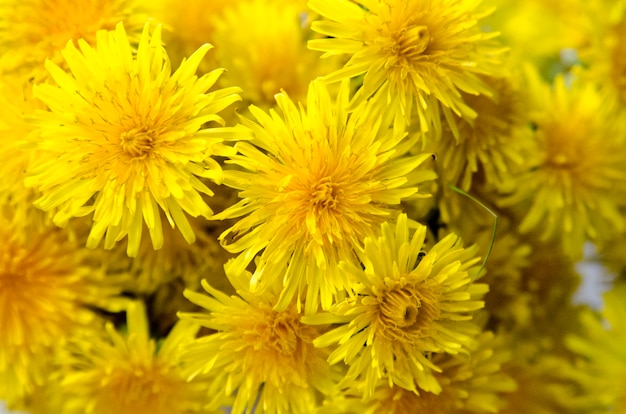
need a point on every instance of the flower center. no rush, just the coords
(563, 146)
(283, 332)
(139, 388)
(138, 142)
(411, 42)
(10, 280)
(324, 194)
(407, 310)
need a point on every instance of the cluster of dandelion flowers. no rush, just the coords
(572, 178)
(33, 31)
(420, 53)
(263, 356)
(407, 304)
(316, 182)
(106, 371)
(47, 291)
(124, 137)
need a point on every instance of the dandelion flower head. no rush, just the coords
(269, 53)
(264, 356)
(408, 303)
(419, 53)
(48, 288)
(573, 175)
(125, 373)
(601, 343)
(126, 138)
(35, 30)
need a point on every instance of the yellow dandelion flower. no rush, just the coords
(407, 304)
(127, 374)
(602, 345)
(317, 181)
(48, 288)
(265, 357)
(605, 54)
(488, 145)
(15, 149)
(420, 53)
(556, 25)
(125, 138)
(188, 24)
(470, 384)
(33, 31)
(571, 180)
(545, 385)
(267, 53)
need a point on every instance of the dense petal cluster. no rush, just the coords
(49, 288)
(314, 183)
(572, 179)
(35, 30)
(262, 356)
(125, 373)
(271, 55)
(471, 383)
(407, 304)
(418, 53)
(125, 138)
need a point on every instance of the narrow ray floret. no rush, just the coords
(408, 303)
(316, 182)
(123, 137)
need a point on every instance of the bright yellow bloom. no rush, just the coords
(127, 374)
(316, 183)
(485, 150)
(545, 385)
(420, 53)
(489, 144)
(538, 31)
(262, 45)
(15, 149)
(264, 357)
(126, 138)
(570, 182)
(602, 346)
(189, 25)
(407, 304)
(605, 53)
(49, 285)
(470, 383)
(35, 30)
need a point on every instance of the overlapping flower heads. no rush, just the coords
(349, 206)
